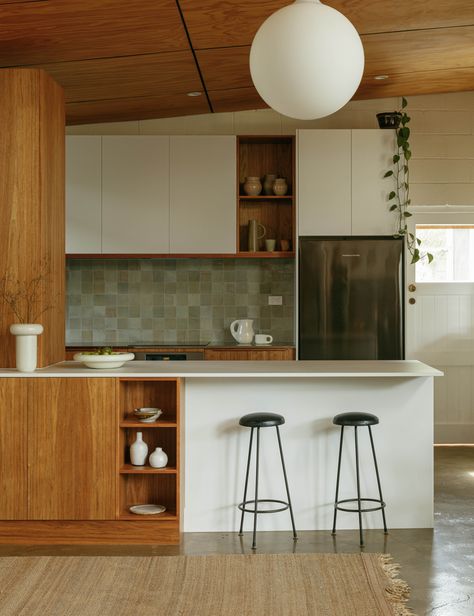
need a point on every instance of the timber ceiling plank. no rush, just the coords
(417, 83)
(119, 110)
(126, 77)
(227, 23)
(239, 99)
(64, 30)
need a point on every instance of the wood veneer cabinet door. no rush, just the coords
(13, 450)
(72, 440)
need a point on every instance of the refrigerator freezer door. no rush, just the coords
(351, 298)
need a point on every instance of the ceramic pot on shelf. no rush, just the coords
(158, 459)
(242, 330)
(280, 187)
(26, 345)
(252, 186)
(268, 181)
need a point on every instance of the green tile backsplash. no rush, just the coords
(176, 300)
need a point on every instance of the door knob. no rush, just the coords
(412, 300)
(412, 288)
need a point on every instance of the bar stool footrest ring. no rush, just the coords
(356, 500)
(243, 506)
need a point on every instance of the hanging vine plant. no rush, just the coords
(399, 197)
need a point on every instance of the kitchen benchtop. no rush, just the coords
(187, 346)
(238, 369)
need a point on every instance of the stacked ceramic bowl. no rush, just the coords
(147, 414)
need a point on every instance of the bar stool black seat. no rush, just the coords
(257, 421)
(358, 420)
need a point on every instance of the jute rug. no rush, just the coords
(221, 585)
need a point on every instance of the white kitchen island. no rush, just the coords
(308, 394)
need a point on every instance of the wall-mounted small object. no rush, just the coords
(280, 187)
(412, 301)
(138, 451)
(158, 459)
(412, 288)
(252, 186)
(389, 119)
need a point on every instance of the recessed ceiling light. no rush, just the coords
(194, 94)
(380, 77)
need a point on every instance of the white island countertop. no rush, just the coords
(238, 369)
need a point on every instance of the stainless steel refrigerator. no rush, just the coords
(351, 298)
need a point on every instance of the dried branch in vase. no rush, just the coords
(26, 298)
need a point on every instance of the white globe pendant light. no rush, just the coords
(306, 60)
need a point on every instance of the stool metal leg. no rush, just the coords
(254, 540)
(337, 480)
(378, 480)
(358, 487)
(246, 482)
(295, 536)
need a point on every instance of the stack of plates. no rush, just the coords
(147, 509)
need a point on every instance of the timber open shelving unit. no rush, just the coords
(143, 484)
(258, 155)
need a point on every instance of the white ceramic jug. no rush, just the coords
(242, 330)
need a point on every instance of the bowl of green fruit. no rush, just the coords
(103, 358)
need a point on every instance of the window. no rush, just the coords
(452, 247)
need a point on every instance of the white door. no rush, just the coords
(135, 194)
(203, 186)
(324, 182)
(440, 316)
(83, 194)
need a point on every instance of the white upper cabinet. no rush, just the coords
(203, 194)
(372, 152)
(135, 194)
(83, 194)
(324, 182)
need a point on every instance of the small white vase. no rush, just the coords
(158, 459)
(138, 451)
(26, 345)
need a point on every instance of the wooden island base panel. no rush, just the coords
(66, 474)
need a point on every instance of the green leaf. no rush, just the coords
(408, 201)
(404, 102)
(418, 241)
(411, 236)
(393, 207)
(405, 185)
(407, 154)
(404, 132)
(396, 158)
(430, 257)
(405, 168)
(388, 174)
(407, 214)
(392, 195)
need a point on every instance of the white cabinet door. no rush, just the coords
(324, 182)
(135, 194)
(83, 194)
(203, 194)
(372, 152)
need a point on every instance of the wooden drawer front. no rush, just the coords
(249, 354)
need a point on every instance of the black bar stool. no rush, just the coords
(357, 420)
(263, 420)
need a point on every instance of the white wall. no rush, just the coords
(442, 169)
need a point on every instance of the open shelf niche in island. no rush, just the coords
(259, 155)
(139, 485)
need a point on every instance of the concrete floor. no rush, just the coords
(438, 565)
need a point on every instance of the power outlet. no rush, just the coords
(275, 300)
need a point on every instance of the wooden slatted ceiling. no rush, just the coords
(132, 59)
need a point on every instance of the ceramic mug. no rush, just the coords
(285, 245)
(263, 339)
(270, 245)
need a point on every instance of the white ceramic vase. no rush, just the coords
(138, 451)
(26, 345)
(158, 459)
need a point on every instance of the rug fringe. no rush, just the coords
(398, 591)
